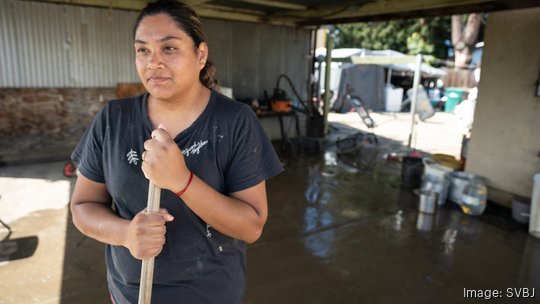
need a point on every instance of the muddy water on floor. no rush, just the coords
(339, 234)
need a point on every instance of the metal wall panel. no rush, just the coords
(51, 45)
(57, 45)
(250, 57)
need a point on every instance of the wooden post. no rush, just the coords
(329, 47)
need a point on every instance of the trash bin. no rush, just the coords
(393, 98)
(411, 171)
(454, 97)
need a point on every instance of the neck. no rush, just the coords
(179, 112)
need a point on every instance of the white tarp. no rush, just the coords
(388, 58)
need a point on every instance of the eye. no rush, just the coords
(142, 51)
(169, 49)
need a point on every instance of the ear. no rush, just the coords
(202, 54)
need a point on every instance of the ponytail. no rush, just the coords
(208, 75)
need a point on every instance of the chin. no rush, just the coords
(160, 93)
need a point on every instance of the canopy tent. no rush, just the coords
(360, 72)
(390, 59)
(387, 58)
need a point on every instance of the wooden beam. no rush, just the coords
(195, 2)
(246, 15)
(381, 10)
(276, 4)
(212, 12)
(118, 4)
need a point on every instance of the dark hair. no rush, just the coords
(188, 21)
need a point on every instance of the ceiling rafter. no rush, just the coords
(316, 12)
(275, 4)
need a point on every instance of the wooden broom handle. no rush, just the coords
(147, 268)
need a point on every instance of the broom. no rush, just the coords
(147, 269)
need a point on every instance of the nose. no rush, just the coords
(154, 61)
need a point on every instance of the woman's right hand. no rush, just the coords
(146, 233)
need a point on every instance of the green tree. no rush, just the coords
(427, 36)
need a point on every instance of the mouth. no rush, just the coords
(158, 79)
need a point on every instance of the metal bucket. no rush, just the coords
(428, 202)
(436, 184)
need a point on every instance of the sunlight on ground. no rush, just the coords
(441, 133)
(22, 196)
(25, 202)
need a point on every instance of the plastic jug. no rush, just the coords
(474, 197)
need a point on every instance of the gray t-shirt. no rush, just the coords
(227, 148)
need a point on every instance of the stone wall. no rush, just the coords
(43, 124)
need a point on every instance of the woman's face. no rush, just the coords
(166, 58)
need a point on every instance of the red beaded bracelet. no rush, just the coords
(188, 183)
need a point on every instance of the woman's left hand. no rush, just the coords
(163, 161)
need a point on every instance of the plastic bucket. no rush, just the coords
(434, 168)
(521, 209)
(411, 171)
(458, 182)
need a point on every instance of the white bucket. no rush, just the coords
(393, 98)
(434, 168)
(534, 220)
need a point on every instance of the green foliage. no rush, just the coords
(409, 36)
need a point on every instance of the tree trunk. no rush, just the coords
(463, 39)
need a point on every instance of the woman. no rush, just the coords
(208, 154)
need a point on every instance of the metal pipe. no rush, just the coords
(147, 268)
(416, 83)
(389, 77)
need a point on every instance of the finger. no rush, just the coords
(155, 219)
(156, 233)
(150, 144)
(144, 167)
(154, 252)
(143, 155)
(153, 145)
(150, 252)
(162, 126)
(167, 216)
(161, 135)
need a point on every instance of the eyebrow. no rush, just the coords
(164, 39)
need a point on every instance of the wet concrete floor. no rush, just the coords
(338, 231)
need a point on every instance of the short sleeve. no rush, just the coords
(88, 153)
(253, 157)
